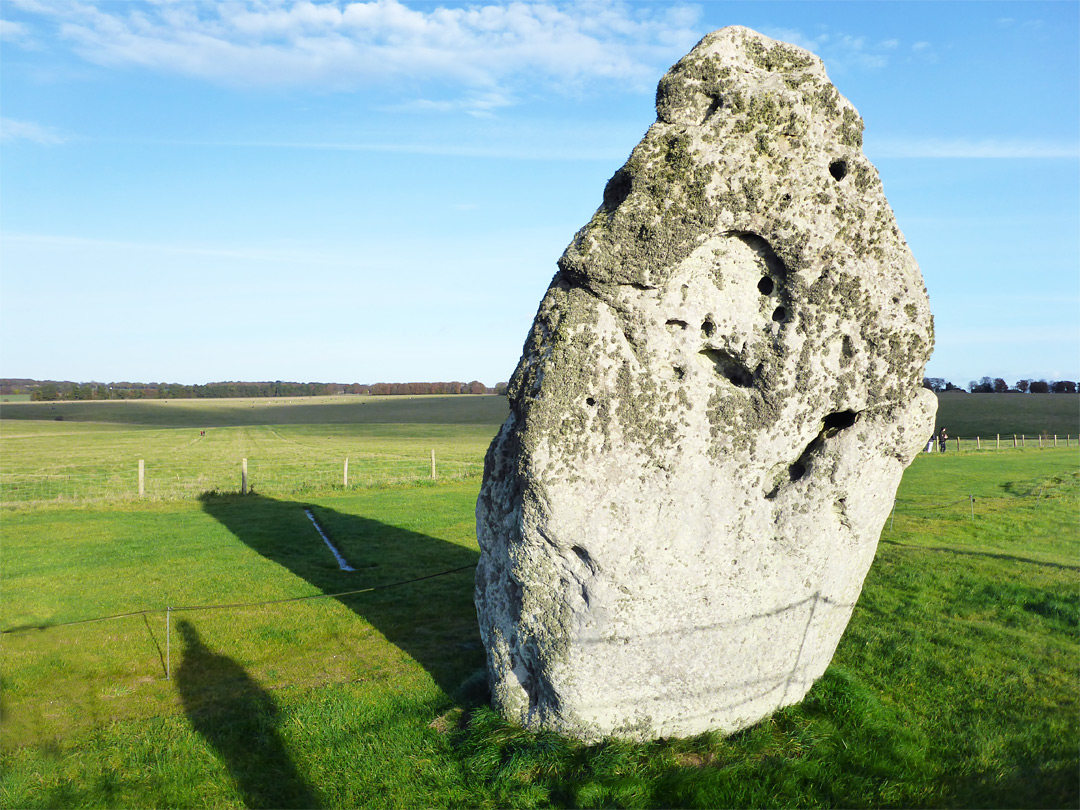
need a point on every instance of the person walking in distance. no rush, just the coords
(942, 439)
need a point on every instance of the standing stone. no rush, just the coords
(715, 404)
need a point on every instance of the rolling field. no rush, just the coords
(193, 446)
(954, 685)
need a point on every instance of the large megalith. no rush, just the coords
(714, 406)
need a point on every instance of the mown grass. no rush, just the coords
(66, 462)
(954, 685)
(298, 447)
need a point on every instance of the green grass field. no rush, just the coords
(954, 685)
(293, 447)
(298, 447)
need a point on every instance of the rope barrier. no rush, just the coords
(233, 605)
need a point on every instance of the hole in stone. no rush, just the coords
(729, 367)
(617, 190)
(680, 372)
(675, 324)
(765, 286)
(708, 328)
(839, 420)
(590, 401)
(642, 232)
(797, 471)
(838, 169)
(779, 314)
(716, 104)
(585, 557)
(847, 350)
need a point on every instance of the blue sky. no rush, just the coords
(379, 191)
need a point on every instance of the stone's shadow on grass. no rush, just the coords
(433, 621)
(237, 718)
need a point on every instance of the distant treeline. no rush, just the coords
(998, 386)
(51, 390)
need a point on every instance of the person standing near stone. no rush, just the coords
(943, 439)
(712, 412)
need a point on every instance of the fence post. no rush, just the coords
(345, 476)
(1040, 441)
(432, 463)
(978, 445)
(998, 442)
(957, 444)
(1014, 441)
(243, 476)
(1022, 438)
(142, 477)
(1055, 440)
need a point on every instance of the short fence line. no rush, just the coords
(162, 480)
(292, 476)
(1019, 441)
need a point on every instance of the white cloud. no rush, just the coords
(12, 31)
(341, 45)
(480, 105)
(11, 130)
(971, 148)
(839, 51)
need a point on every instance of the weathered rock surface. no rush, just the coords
(711, 416)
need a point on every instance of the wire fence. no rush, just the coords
(1000, 441)
(89, 483)
(172, 479)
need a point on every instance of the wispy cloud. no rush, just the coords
(480, 105)
(841, 51)
(342, 45)
(971, 148)
(13, 31)
(563, 149)
(11, 130)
